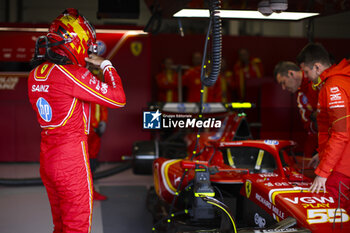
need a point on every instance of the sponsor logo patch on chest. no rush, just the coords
(40, 88)
(334, 97)
(44, 109)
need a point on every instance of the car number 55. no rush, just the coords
(326, 215)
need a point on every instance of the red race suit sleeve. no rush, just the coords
(88, 88)
(333, 121)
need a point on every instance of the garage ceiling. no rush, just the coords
(324, 7)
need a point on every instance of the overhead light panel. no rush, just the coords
(240, 14)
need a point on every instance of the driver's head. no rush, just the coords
(76, 32)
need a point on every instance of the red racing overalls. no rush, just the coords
(61, 96)
(333, 120)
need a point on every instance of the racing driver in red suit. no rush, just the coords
(332, 118)
(60, 90)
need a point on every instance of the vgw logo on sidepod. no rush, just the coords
(152, 120)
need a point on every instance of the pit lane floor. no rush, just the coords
(27, 209)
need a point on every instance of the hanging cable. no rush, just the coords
(223, 207)
(216, 29)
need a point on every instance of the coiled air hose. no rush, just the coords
(216, 29)
(216, 50)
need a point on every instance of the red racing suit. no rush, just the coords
(334, 127)
(61, 96)
(307, 97)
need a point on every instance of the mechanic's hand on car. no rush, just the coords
(94, 60)
(318, 184)
(314, 161)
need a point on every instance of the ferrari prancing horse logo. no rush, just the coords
(248, 188)
(43, 68)
(136, 48)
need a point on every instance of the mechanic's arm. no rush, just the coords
(88, 88)
(308, 117)
(102, 125)
(313, 122)
(314, 161)
(303, 110)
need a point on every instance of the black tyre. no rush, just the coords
(143, 155)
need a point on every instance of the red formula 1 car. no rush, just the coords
(253, 183)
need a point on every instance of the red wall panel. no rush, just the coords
(20, 136)
(20, 130)
(125, 125)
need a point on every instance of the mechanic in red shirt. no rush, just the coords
(60, 90)
(247, 67)
(332, 118)
(291, 78)
(226, 82)
(167, 82)
(192, 83)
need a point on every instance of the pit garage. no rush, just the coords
(210, 137)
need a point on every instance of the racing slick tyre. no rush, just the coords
(143, 155)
